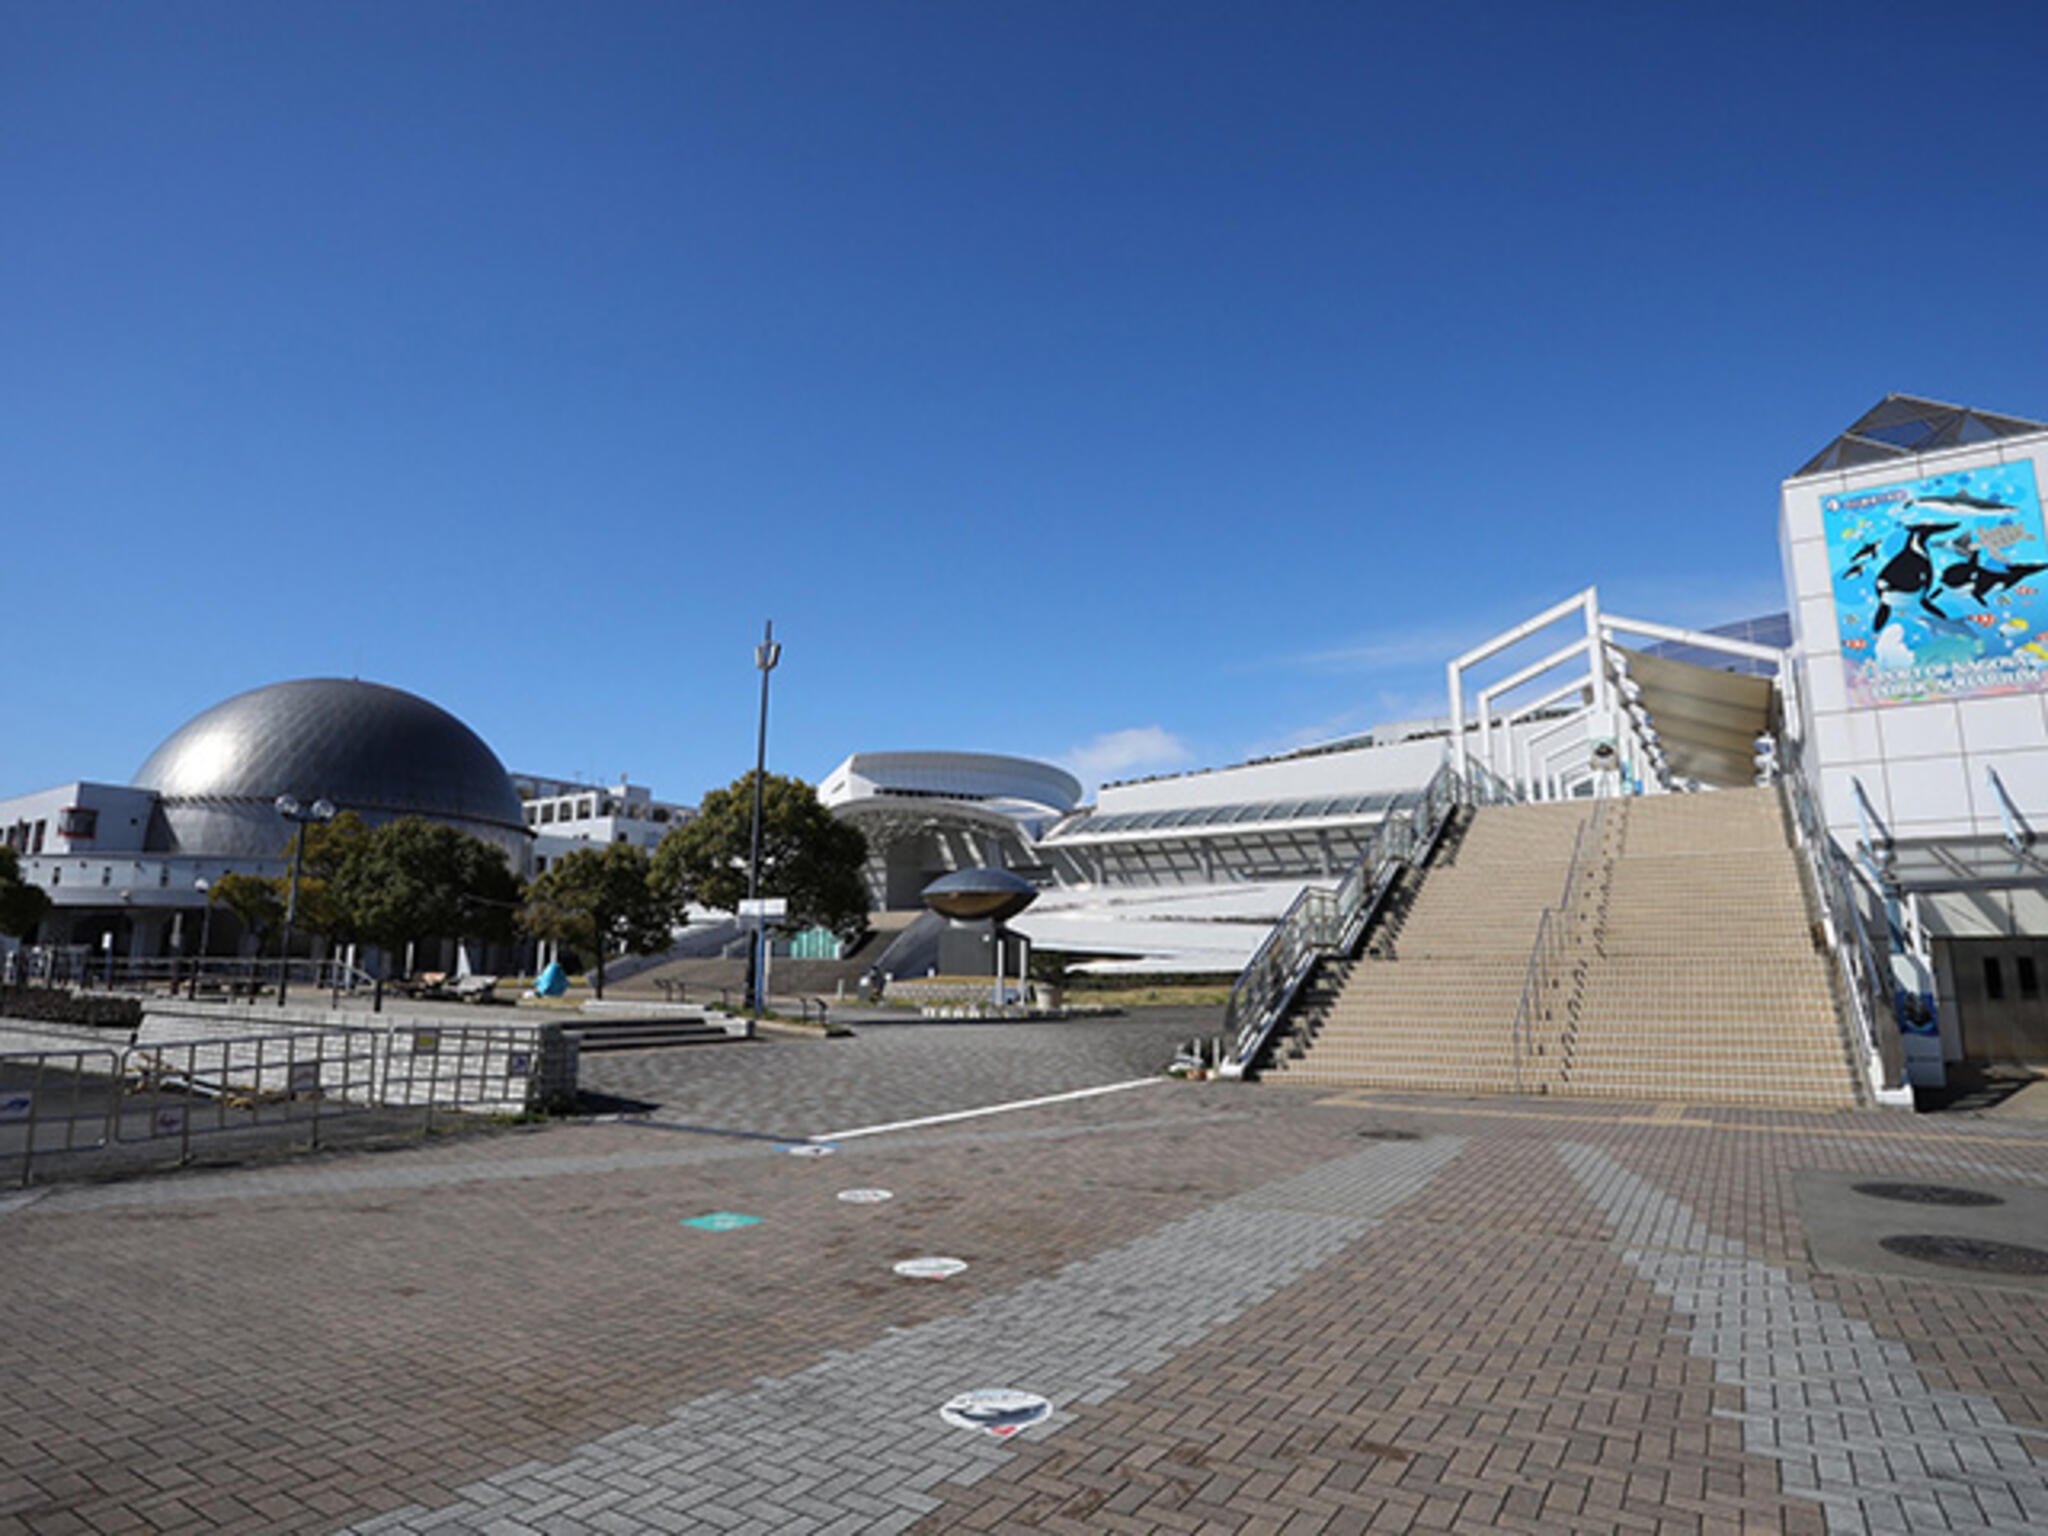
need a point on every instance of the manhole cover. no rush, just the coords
(1927, 1194)
(1980, 1254)
(1381, 1133)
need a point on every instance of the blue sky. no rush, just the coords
(1137, 386)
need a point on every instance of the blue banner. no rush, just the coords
(1938, 589)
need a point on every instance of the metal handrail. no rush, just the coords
(1872, 1001)
(1539, 977)
(1319, 923)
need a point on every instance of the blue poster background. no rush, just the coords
(1939, 589)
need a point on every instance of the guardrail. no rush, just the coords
(1866, 982)
(1321, 923)
(54, 1103)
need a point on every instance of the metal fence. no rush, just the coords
(172, 1095)
(54, 1103)
(88, 969)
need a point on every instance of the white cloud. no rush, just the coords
(1116, 753)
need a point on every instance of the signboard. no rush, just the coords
(766, 906)
(1937, 586)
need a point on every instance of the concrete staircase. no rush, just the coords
(1434, 1009)
(1681, 965)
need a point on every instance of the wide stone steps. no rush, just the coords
(1685, 966)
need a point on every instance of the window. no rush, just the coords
(2030, 983)
(1994, 982)
(547, 812)
(78, 822)
(41, 826)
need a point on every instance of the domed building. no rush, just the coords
(127, 867)
(377, 751)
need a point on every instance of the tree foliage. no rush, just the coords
(406, 881)
(23, 904)
(808, 856)
(604, 897)
(414, 879)
(256, 900)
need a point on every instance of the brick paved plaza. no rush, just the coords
(1249, 1308)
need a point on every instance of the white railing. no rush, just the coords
(1865, 974)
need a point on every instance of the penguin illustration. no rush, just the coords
(1909, 573)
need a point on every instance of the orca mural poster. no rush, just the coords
(1939, 588)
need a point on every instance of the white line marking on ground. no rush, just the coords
(988, 1109)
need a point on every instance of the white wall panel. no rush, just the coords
(2025, 777)
(1847, 738)
(1817, 621)
(2017, 721)
(1920, 730)
(1930, 797)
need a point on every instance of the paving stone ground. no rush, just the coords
(1252, 1309)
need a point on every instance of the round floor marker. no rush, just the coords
(998, 1411)
(720, 1221)
(930, 1268)
(865, 1196)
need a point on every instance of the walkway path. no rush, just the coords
(1248, 1309)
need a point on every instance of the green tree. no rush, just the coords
(23, 903)
(413, 879)
(606, 897)
(808, 856)
(330, 846)
(255, 899)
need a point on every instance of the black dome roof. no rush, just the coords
(374, 750)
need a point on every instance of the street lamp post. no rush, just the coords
(300, 816)
(204, 888)
(766, 655)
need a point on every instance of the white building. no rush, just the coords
(565, 815)
(1915, 559)
(128, 867)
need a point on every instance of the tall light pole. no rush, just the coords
(300, 816)
(766, 654)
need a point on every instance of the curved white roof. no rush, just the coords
(971, 776)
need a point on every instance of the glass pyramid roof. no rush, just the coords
(1899, 426)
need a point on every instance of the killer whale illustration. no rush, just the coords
(1909, 573)
(1981, 582)
(1855, 566)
